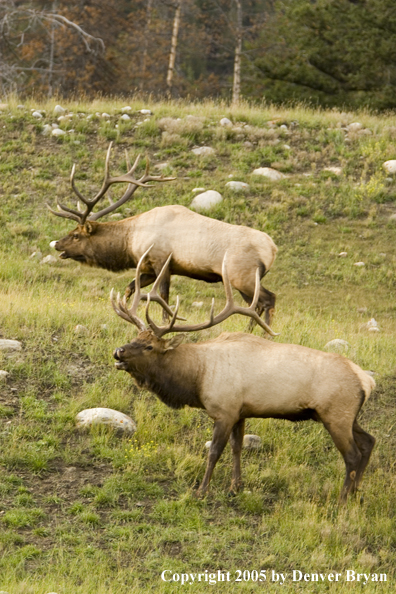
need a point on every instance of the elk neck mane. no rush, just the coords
(110, 246)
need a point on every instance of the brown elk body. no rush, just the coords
(197, 243)
(238, 376)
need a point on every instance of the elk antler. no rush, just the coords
(133, 184)
(129, 313)
(230, 308)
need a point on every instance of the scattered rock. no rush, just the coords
(198, 190)
(207, 445)
(197, 304)
(145, 111)
(272, 174)
(3, 106)
(283, 127)
(393, 217)
(287, 147)
(162, 166)
(237, 186)
(20, 106)
(338, 345)
(3, 376)
(47, 129)
(81, 330)
(203, 151)
(371, 326)
(36, 256)
(59, 110)
(247, 144)
(362, 310)
(50, 259)
(125, 117)
(251, 442)
(206, 200)
(116, 215)
(58, 132)
(335, 170)
(105, 115)
(10, 345)
(54, 126)
(359, 264)
(390, 166)
(354, 127)
(37, 114)
(105, 417)
(225, 122)
(126, 109)
(343, 254)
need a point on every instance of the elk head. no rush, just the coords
(150, 344)
(76, 244)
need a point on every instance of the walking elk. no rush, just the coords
(238, 376)
(197, 243)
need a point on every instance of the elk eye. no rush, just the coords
(148, 348)
(75, 236)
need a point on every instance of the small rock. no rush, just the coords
(393, 217)
(237, 186)
(81, 330)
(251, 442)
(197, 304)
(335, 170)
(343, 254)
(105, 115)
(58, 132)
(283, 127)
(371, 326)
(359, 264)
(105, 417)
(272, 174)
(206, 200)
(3, 376)
(203, 151)
(354, 127)
(54, 126)
(36, 256)
(50, 259)
(126, 109)
(198, 190)
(374, 329)
(247, 144)
(390, 166)
(145, 111)
(337, 345)
(10, 345)
(116, 215)
(225, 122)
(47, 129)
(104, 327)
(62, 118)
(125, 117)
(287, 147)
(207, 445)
(362, 310)
(59, 110)
(37, 114)
(20, 106)
(162, 166)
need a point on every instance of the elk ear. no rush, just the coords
(89, 228)
(174, 342)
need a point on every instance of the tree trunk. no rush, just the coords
(52, 52)
(145, 44)
(172, 55)
(236, 87)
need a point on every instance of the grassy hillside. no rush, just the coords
(99, 514)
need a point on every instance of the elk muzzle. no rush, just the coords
(120, 364)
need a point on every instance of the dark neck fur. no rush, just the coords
(175, 389)
(110, 245)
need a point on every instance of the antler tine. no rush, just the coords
(154, 296)
(65, 215)
(159, 331)
(121, 310)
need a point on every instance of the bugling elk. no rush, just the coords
(238, 376)
(197, 243)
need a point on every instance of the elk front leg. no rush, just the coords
(221, 434)
(145, 279)
(164, 288)
(236, 441)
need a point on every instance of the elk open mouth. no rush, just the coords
(63, 255)
(121, 365)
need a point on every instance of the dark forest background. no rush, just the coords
(333, 53)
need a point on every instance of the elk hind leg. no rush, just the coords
(221, 434)
(365, 443)
(236, 440)
(343, 438)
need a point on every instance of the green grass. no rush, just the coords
(95, 513)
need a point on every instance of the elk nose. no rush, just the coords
(117, 353)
